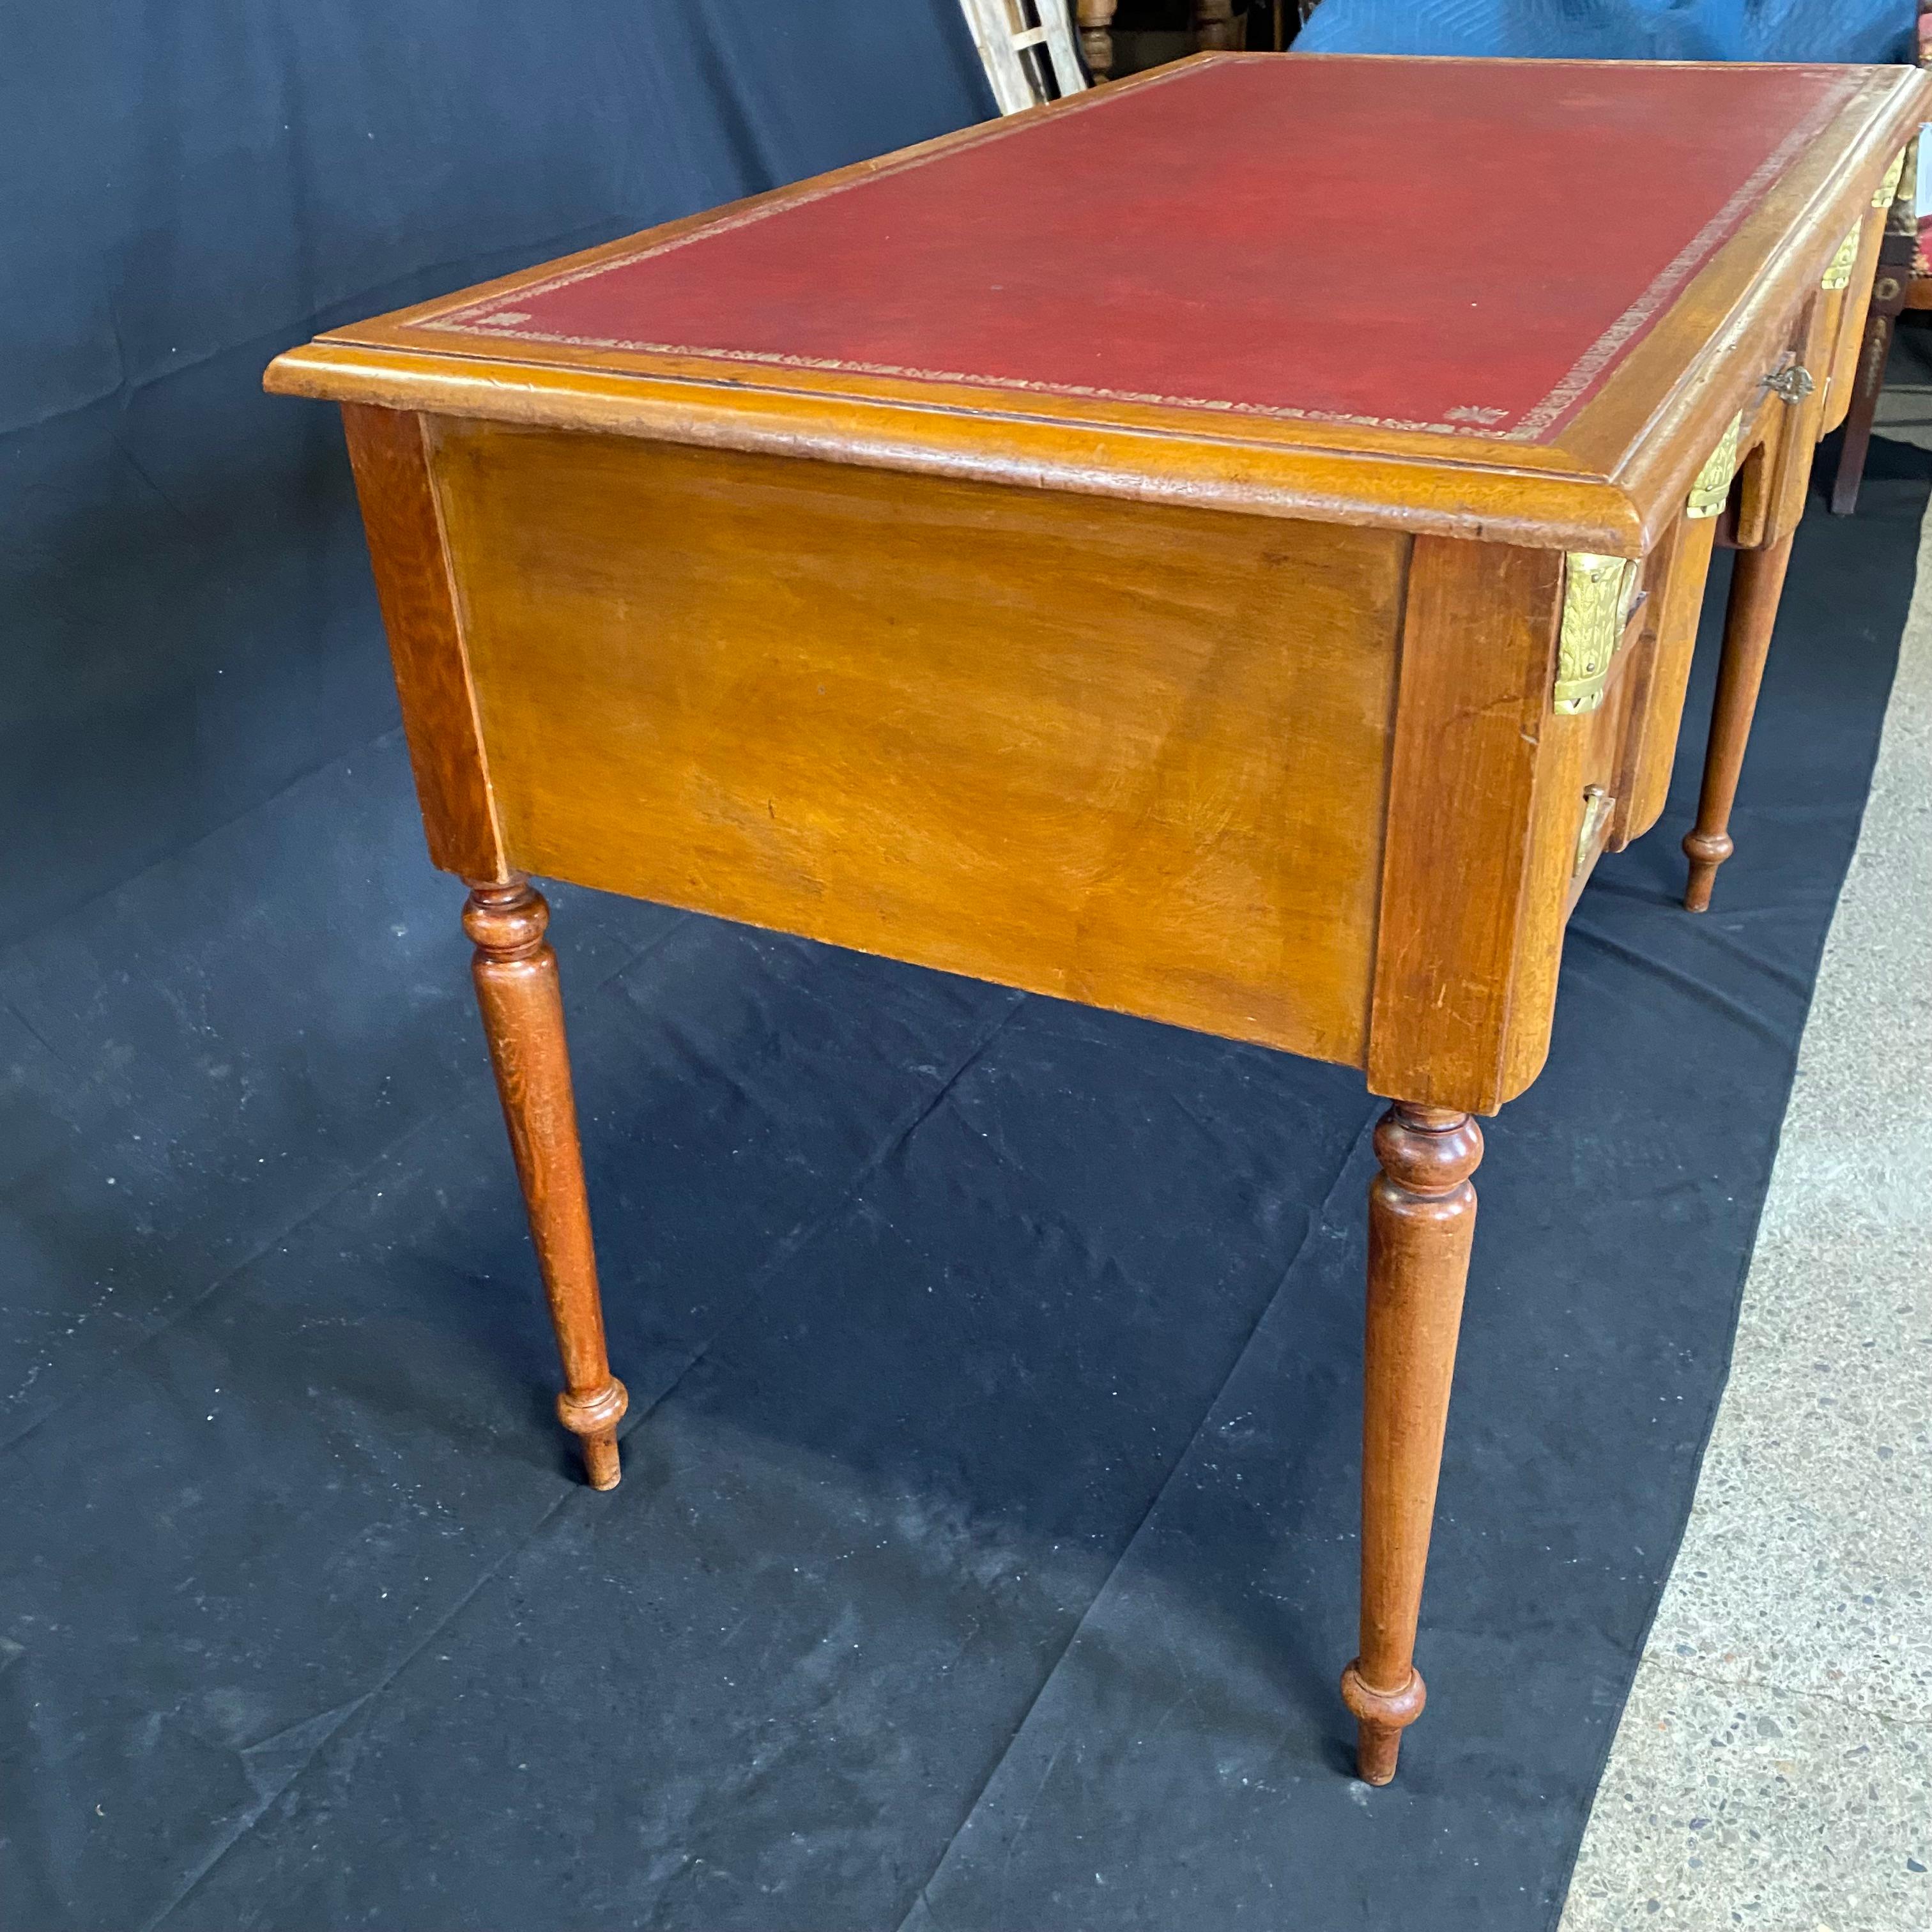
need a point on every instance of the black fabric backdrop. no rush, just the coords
(187, 188)
(986, 1551)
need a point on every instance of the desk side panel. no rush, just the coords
(1128, 754)
(1486, 783)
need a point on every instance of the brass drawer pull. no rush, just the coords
(1793, 385)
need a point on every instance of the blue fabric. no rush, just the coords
(1740, 30)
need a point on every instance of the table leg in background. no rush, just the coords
(1757, 582)
(1096, 19)
(1887, 299)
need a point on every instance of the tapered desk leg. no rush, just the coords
(1757, 582)
(1422, 1215)
(515, 972)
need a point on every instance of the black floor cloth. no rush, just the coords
(986, 1552)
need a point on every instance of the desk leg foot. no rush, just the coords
(515, 972)
(1422, 1216)
(1757, 582)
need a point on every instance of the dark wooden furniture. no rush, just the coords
(1892, 293)
(1213, 23)
(1904, 281)
(820, 563)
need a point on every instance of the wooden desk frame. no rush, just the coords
(1494, 641)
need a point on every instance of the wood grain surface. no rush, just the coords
(1129, 754)
(412, 584)
(1478, 657)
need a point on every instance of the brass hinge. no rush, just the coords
(1596, 599)
(1839, 275)
(1713, 484)
(1888, 189)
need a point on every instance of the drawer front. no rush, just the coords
(1782, 422)
(1633, 751)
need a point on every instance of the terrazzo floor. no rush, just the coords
(1774, 1766)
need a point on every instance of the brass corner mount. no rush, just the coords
(1596, 602)
(1712, 485)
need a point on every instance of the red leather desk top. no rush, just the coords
(1235, 235)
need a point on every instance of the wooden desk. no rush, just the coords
(1125, 612)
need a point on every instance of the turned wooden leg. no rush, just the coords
(1097, 38)
(1757, 581)
(1422, 1215)
(515, 972)
(1213, 25)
